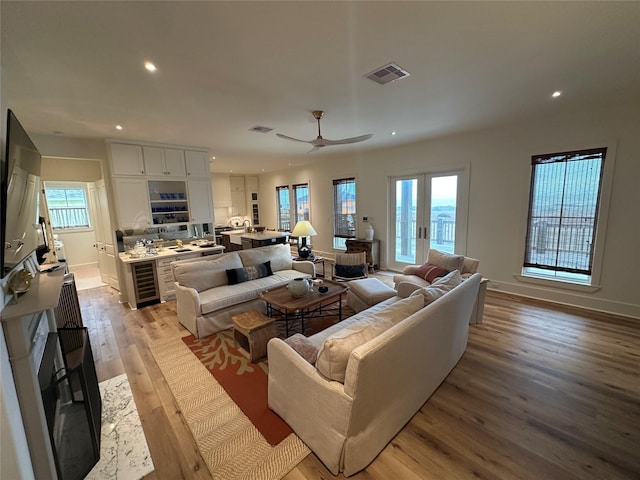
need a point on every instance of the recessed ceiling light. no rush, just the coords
(118, 127)
(393, 133)
(556, 94)
(150, 66)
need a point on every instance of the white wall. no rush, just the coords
(499, 160)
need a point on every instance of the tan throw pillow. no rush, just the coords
(439, 288)
(279, 256)
(335, 351)
(445, 260)
(303, 347)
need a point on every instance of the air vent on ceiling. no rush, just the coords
(260, 129)
(387, 74)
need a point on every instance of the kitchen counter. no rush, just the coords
(239, 239)
(172, 252)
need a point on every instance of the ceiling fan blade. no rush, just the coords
(294, 139)
(343, 141)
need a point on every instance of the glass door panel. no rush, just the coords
(444, 193)
(423, 214)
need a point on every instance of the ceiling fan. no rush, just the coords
(325, 142)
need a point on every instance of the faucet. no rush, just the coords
(247, 225)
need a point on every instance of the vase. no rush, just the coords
(368, 233)
(299, 287)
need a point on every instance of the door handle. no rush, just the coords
(419, 232)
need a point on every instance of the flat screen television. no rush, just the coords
(20, 192)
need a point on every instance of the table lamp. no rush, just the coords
(302, 230)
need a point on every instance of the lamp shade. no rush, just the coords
(303, 229)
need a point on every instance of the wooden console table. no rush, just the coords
(370, 247)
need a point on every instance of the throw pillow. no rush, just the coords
(303, 347)
(439, 288)
(252, 272)
(430, 272)
(336, 349)
(350, 271)
(279, 255)
(445, 260)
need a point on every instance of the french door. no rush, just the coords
(427, 211)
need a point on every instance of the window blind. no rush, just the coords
(344, 207)
(563, 210)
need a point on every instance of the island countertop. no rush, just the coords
(171, 252)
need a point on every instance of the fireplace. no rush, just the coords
(72, 403)
(57, 389)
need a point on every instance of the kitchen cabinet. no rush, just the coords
(132, 202)
(200, 206)
(168, 162)
(197, 164)
(126, 159)
(236, 183)
(238, 204)
(251, 184)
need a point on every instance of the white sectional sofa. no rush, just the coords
(206, 301)
(348, 390)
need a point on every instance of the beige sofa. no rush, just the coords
(466, 265)
(206, 302)
(346, 413)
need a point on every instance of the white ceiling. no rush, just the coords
(225, 67)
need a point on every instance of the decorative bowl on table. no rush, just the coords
(323, 289)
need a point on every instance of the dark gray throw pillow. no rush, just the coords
(252, 272)
(350, 271)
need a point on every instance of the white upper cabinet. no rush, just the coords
(200, 205)
(197, 164)
(126, 159)
(132, 203)
(251, 183)
(167, 162)
(237, 184)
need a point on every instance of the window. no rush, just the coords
(301, 202)
(284, 208)
(564, 203)
(68, 206)
(344, 208)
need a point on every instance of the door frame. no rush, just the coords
(462, 210)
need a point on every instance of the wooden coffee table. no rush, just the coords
(280, 303)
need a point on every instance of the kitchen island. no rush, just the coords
(239, 239)
(149, 278)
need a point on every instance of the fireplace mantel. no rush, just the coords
(26, 325)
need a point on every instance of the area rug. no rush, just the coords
(245, 382)
(231, 446)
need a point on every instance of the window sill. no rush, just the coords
(549, 282)
(72, 230)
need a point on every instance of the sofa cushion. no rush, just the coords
(205, 274)
(336, 349)
(279, 255)
(430, 272)
(438, 288)
(252, 272)
(303, 347)
(445, 260)
(225, 296)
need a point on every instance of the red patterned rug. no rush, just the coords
(245, 382)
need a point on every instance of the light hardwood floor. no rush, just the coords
(542, 392)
